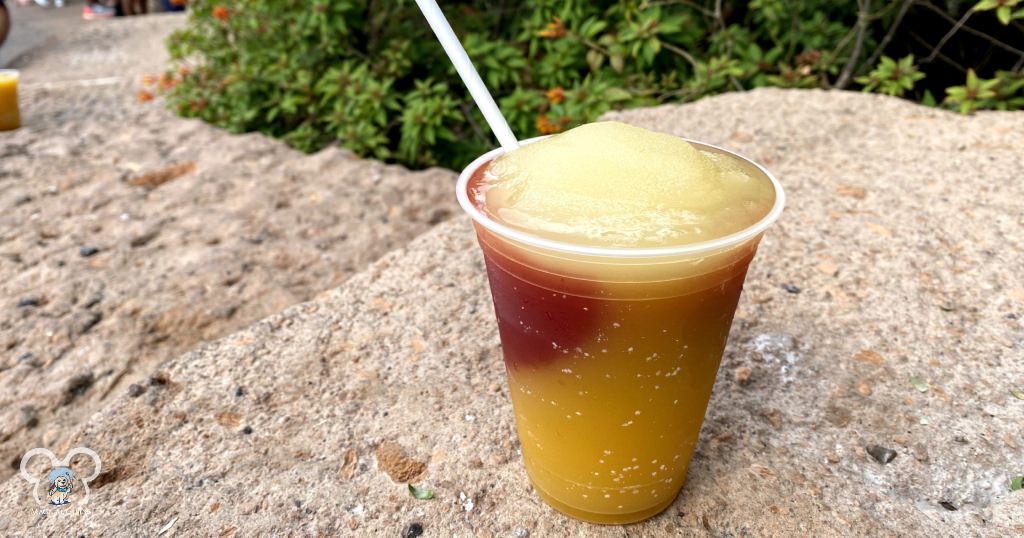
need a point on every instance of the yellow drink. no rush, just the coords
(611, 352)
(10, 118)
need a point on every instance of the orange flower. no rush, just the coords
(546, 126)
(809, 57)
(554, 30)
(556, 95)
(221, 13)
(166, 81)
(144, 96)
(148, 80)
(184, 71)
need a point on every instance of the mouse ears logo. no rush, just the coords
(62, 485)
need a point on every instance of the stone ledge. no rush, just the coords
(900, 234)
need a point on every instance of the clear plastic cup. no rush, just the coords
(611, 354)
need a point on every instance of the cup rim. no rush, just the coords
(702, 247)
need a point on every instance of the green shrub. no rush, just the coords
(370, 75)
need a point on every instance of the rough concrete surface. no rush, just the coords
(56, 45)
(128, 235)
(902, 236)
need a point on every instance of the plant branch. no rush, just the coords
(842, 43)
(686, 55)
(888, 37)
(969, 30)
(858, 45)
(853, 30)
(736, 84)
(794, 19)
(943, 57)
(728, 43)
(590, 44)
(942, 42)
(468, 112)
(682, 93)
(686, 3)
(882, 12)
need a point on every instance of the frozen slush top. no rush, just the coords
(609, 184)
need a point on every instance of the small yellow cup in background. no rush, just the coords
(10, 117)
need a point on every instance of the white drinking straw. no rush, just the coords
(470, 77)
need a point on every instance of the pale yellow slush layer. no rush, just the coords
(611, 184)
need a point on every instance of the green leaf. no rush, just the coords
(986, 5)
(671, 25)
(1003, 14)
(1017, 483)
(918, 384)
(956, 94)
(928, 99)
(652, 47)
(618, 62)
(972, 79)
(617, 94)
(591, 27)
(1017, 394)
(422, 494)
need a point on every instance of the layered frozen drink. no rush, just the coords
(10, 117)
(616, 257)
